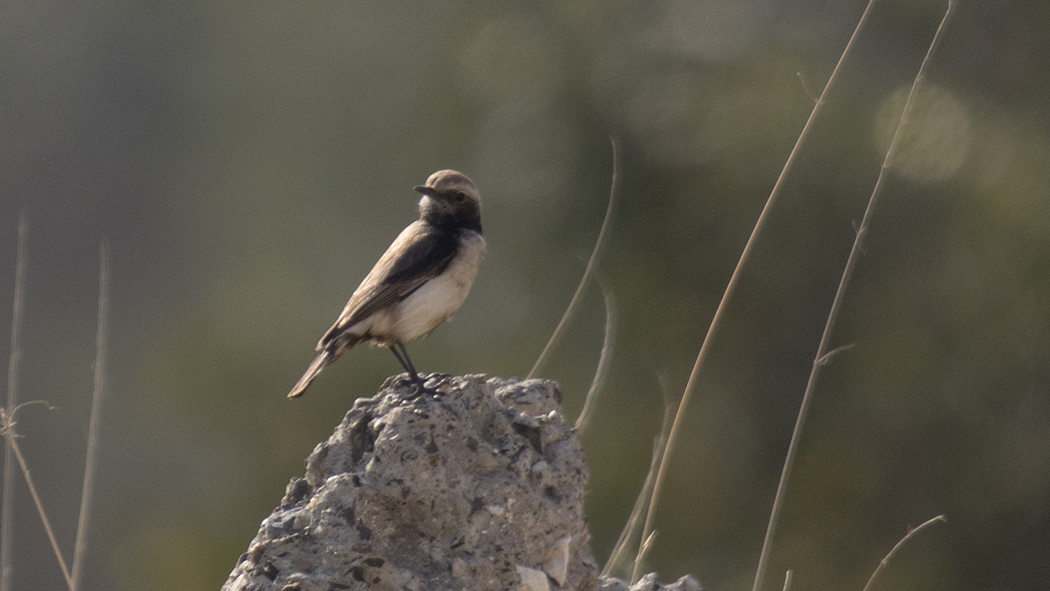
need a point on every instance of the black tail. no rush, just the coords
(311, 372)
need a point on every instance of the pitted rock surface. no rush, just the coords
(477, 483)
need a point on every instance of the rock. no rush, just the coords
(476, 484)
(557, 566)
(648, 583)
(532, 579)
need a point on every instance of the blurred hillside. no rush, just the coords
(248, 162)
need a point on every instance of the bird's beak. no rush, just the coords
(428, 191)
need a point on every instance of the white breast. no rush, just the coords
(439, 298)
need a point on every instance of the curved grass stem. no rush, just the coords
(836, 305)
(588, 270)
(886, 560)
(690, 387)
(618, 556)
(603, 361)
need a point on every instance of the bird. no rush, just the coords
(418, 283)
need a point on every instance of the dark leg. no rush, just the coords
(401, 354)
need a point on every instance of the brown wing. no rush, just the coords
(420, 253)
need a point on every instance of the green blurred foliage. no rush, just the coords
(247, 162)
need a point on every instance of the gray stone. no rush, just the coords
(648, 583)
(475, 484)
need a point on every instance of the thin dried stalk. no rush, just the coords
(603, 361)
(910, 534)
(87, 495)
(836, 305)
(587, 270)
(7, 511)
(634, 521)
(690, 386)
(7, 427)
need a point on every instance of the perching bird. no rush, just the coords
(418, 283)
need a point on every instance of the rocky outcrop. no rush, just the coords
(477, 483)
(474, 484)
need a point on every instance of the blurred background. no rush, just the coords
(247, 162)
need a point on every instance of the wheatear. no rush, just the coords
(419, 282)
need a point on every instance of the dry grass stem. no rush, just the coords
(827, 356)
(836, 306)
(735, 278)
(908, 536)
(7, 427)
(7, 510)
(91, 462)
(805, 87)
(618, 556)
(588, 270)
(600, 373)
(645, 500)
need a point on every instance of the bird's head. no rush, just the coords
(450, 199)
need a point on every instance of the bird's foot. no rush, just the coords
(417, 383)
(425, 384)
(420, 389)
